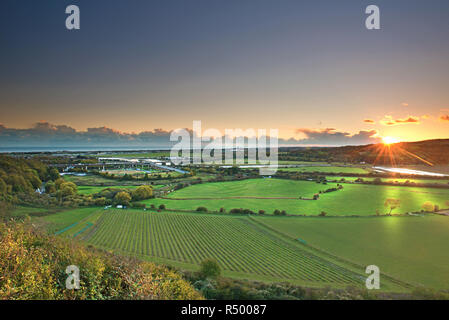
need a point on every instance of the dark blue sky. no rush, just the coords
(287, 64)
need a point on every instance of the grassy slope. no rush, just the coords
(352, 200)
(413, 249)
(60, 220)
(243, 249)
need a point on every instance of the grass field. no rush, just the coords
(395, 180)
(150, 172)
(326, 169)
(262, 193)
(21, 211)
(135, 155)
(243, 248)
(310, 251)
(93, 189)
(413, 249)
(95, 180)
(57, 221)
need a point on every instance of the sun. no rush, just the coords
(390, 140)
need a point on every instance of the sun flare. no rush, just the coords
(390, 140)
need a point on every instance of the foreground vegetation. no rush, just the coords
(33, 264)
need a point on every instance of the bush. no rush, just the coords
(100, 201)
(201, 209)
(138, 205)
(162, 207)
(142, 193)
(322, 214)
(122, 198)
(428, 206)
(277, 212)
(261, 211)
(209, 268)
(40, 262)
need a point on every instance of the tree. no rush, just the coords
(209, 268)
(142, 193)
(50, 187)
(3, 187)
(53, 174)
(122, 198)
(392, 204)
(59, 182)
(70, 185)
(100, 201)
(428, 206)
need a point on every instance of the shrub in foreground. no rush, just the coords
(33, 265)
(210, 269)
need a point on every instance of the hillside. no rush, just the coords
(404, 153)
(33, 265)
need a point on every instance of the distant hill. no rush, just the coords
(427, 152)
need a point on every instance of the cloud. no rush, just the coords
(389, 121)
(44, 134)
(331, 136)
(370, 121)
(47, 134)
(444, 118)
(404, 104)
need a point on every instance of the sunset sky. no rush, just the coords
(303, 67)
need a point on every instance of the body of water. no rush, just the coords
(410, 171)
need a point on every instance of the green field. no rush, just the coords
(395, 180)
(413, 249)
(135, 155)
(93, 189)
(326, 169)
(242, 247)
(21, 211)
(57, 221)
(150, 172)
(309, 251)
(271, 194)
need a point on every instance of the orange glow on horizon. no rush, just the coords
(390, 140)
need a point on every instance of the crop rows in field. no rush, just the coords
(234, 242)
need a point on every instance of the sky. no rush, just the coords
(307, 68)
